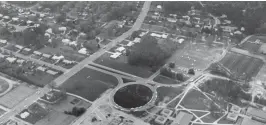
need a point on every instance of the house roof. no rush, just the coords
(120, 49)
(41, 68)
(83, 51)
(115, 55)
(52, 72)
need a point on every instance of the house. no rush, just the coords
(57, 57)
(159, 6)
(50, 31)
(11, 59)
(73, 43)
(235, 109)
(24, 115)
(3, 42)
(232, 116)
(66, 41)
(238, 32)
(67, 61)
(115, 55)
(1, 15)
(172, 20)
(120, 49)
(227, 21)
(19, 47)
(183, 118)
(130, 43)
(156, 17)
(223, 16)
(137, 40)
(6, 17)
(160, 120)
(47, 56)
(62, 28)
(51, 72)
(37, 53)
(26, 51)
(164, 36)
(20, 61)
(256, 113)
(228, 28)
(166, 112)
(181, 40)
(14, 19)
(40, 68)
(155, 35)
(83, 51)
(29, 22)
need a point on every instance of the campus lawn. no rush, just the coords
(89, 83)
(165, 94)
(195, 100)
(165, 80)
(3, 85)
(122, 65)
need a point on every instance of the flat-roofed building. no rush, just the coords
(183, 118)
(11, 59)
(37, 53)
(235, 109)
(166, 112)
(115, 55)
(51, 72)
(120, 49)
(19, 47)
(232, 117)
(160, 120)
(256, 113)
(46, 55)
(40, 68)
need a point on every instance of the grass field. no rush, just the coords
(3, 85)
(242, 66)
(122, 65)
(2, 112)
(15, 96)
(251, 47)
(89, 84)
(165, 94)
(165, 80)
(195, 100)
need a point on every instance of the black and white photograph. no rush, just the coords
(132, 62)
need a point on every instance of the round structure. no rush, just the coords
(5, 86)
(134, 97)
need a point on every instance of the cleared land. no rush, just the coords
(122, 65)
(195, 100)
(89, 83)
(242, 66)
(15, 96)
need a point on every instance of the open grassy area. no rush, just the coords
(251, 47)
(89, 83)
(195, 100)
(122, 65)
(209, 119)
(165, 80)
(15, 96)
(3, 85)
(244, 67)
(165, 94)
(2, 112)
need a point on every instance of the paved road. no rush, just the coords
(36, 60)
(61, 79)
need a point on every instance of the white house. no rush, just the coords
(11, 59)
(62, 28)
(164, 36)
(181, 40)
(67, 61)
(120, 49)
(37, 53)
(1, 15)
(15, 19)
(172, 20)
(115, 55)
(232, 117)
(49, 31)
(20, 61)
(57, 57)
(83, 51)
(160, 120)
(156, 35)
(19, 47)
(137, 40)
(24, 115)
(27, 49)
(51, 72)
(3, 41)
(130, 44)
(159, 6)
(40, 68)
(29, 22)
(47, 34)
(6, 17)
(66, 41)
(46, 55)
(73, 43)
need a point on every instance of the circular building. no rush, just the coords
(134, 97)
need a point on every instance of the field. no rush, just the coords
(15, 96)
(122, 65)
(195, 100)
(56, 115)
(4, 85)
(166, 94)
(165, 80)
(2, 112)
(195, 56)
(251, 47)
(89, 83)
(242, 66)
(153, 28)
(262, 74)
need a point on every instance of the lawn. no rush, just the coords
(244, 67)
(3, 85)
(165, 80)
(16, 95)
(153, 28)
(251, 47)
(225, 121)
(89, 83)
(173, 104)
(198, 113)
(122, 65)
(2, 112)
(165, 94)
(208, 119)
(105, 42)
(195, 100)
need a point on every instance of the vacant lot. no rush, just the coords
(243, 66)
(89, 83)
(121, 64)
(15, 96)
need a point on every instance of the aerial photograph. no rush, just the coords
(132, 63)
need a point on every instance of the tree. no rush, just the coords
(180, 76)
(91, 45)
(191, 72)
(60, 18)
(172, 65)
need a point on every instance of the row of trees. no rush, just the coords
(76, 111)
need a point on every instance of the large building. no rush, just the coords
(183, 118)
